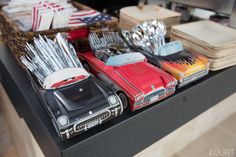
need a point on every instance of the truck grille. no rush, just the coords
(169, 90)
(195, 76)
(93, 121)
(153, 94)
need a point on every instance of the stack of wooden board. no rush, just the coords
(131, 16)
(211, 39)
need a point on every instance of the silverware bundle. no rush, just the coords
(45, 56)
(109, 44)
(148, 36)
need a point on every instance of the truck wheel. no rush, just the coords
(124, 100)
(86, 67)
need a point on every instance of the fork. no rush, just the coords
(98, 46)
(113, 40)
(95, 42)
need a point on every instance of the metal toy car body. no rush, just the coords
(79, 104)
(136, 82)
(186, 67)
(75, 100)
(171, 57)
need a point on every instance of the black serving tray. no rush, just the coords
(124, 136)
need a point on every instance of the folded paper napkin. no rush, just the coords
(15, 7)
(46, 14)
(87, 17)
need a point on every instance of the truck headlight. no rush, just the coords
(139, 97)
(113, 100)
(181, 75)
(63, 121)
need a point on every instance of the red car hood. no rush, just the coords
(141, 75)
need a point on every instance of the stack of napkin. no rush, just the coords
(38, 15)
(131, 16)
(211, 39)
(4, 2)
(46, 14)
(41, 15)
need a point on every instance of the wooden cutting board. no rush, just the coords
(208, 51)
(131, 16)
(208, 34)
(149, 12)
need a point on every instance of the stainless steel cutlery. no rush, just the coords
(45, 56)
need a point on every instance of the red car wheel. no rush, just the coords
(123, 99)
(86, 67)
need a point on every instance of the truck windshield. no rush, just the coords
(124, 59)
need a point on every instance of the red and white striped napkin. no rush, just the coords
(47, 14)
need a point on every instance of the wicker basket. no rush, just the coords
(16, 38)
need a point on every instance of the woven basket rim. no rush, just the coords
(16, 38)
(76, 4)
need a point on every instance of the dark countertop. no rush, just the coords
(125, 135)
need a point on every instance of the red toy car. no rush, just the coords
(136, 82)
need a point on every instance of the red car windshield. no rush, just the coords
(124, 59)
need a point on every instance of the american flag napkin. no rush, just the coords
(87, 17)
